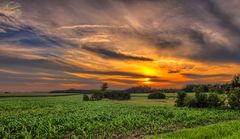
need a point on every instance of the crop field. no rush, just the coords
(70, 117)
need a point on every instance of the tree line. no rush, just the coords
(230, 95)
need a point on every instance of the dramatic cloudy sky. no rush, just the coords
(60, 44)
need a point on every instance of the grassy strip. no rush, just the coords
(223, 130)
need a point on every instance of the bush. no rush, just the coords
(234, 98)
(198, 89)
(214, 101)
(180, 99)
(85, 97)
(202, 100)
(190, 101)
(216, 89)
(156, 95)
(116, 95)
(97, 96)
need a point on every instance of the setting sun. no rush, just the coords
(147, 81)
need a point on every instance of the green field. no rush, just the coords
(70, 117)
(226, 130)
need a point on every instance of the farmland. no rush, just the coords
(69, 116)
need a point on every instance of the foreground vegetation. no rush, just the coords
(226, 130)
(119, 114)
(69, 116)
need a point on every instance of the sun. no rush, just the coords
(147, 81)
(149, 71)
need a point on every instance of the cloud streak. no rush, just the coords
(110, 54)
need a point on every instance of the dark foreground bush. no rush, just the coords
(180, 99)
(214, 101)
(190, 101)
(97, 96)
(202, 100)
(157, 95)
(117, 95)
(234, 98)
(85, 97)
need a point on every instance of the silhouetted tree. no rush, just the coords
(156, 95)
(180, 99)
(139, 89)
(236, 81)
(104, 87)
(86, 97)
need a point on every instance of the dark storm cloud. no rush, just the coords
(158, 39)
(110, 54)
(224, 20)
(211, 51)
(36, 78)
(15, 32)
(199, 76)
(123, 81)
(159, 80)
(174, 71)
(172, 44)
(207, 50)
(52, 64)
(119, 73)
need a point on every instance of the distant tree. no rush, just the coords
(201, 99)
(104, 87)
(97, 96)
(156, 95)
(234, 98)
(219, 89)
(190, 101)
(236, 81)
(214, 100)
(198, 89)
(180, 99)
(117, 95)
(86, 97)
(139, 89)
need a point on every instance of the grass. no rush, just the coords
(35, 94)
(141, 99)
(69, 116)
(223, 130)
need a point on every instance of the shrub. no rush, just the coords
(85, 97)
(234, 98)
(236, 81)
(104, 87)
(180, 99)
(198, 89)
(139, 89)
(214, 101)
(216, 89)
(116, 95)
(190, 101)
(202, 100)
(97, 96)
(156, 95)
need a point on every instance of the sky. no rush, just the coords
(61, 44)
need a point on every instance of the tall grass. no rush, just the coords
(223, 130)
